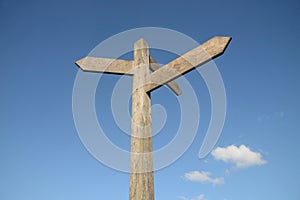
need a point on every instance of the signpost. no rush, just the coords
(141, 162)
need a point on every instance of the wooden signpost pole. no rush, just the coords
(141, 177)
(141, 161)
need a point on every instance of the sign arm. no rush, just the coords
(172, 84)
(106, 65)
(190, 60)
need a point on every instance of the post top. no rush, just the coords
(141, 43)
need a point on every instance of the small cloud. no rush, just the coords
(182, 198)
(203, 177)
(227, 172)
(200, 197)
(280, 114)
(241, 156)
(263, 118)
(271, 116)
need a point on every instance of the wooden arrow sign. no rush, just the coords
(190, 60)
(106, 65)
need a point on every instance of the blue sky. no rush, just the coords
(41, 154)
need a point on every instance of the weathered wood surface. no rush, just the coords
(172, 84)
(117, 66)
(141, 161)
(190, 60)
(106, 65)
(141, 164)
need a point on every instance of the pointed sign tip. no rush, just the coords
(222, 42)
(81, 63)
(227, 40)
(223, 37)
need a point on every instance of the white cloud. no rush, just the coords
(200, 197)
(182, 198)
(227, 172)
(241, 156)
(271, 116)
(203, 177)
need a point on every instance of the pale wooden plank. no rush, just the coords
(106, 65)
(190, 60)
(141, 164)
(172, 84)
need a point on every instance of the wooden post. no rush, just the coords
(141, 161)
(141, 166)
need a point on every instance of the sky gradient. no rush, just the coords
(41, 154)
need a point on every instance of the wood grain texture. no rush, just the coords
(106, 65)
(141, 164)
(190, 60)
(172, 84)
(141, 161)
